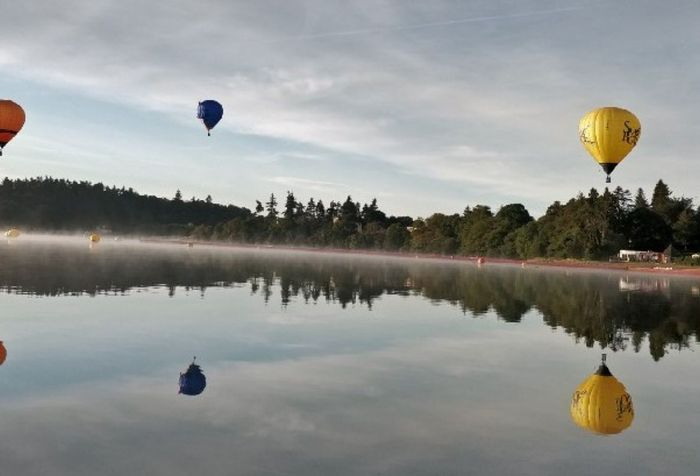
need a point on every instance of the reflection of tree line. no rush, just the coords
(589, 306)
(348, 283)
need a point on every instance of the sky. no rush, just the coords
(427, 106)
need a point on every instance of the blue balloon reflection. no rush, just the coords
(193, 381)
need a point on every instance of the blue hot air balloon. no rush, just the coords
(192, 382)
(210, 112)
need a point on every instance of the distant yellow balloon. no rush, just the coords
(609, 134)
(601, 404)
(95, 238)
(12, 233)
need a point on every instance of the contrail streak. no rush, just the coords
(419, 26)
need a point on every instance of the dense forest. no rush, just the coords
(592, 226)
(47, 204)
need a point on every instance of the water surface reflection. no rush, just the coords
(320, 365)
(615, 310)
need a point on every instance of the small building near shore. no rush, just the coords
(646, 256)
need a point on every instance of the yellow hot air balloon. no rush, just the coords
(95, 238)
(609, 134)
(11, 121)
(601, 404)
(12, 233)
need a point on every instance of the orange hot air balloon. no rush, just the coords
(3, 353)
(11, 121)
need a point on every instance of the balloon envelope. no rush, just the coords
(3, 353)
(193, 382)
(601, 404)
(94, 238)
(11, 121)
(609, 134)
(210, 112)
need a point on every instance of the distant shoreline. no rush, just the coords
(636, 267)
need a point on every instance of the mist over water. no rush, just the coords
(332, 364)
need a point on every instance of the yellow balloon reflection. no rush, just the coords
(601, 404)
(94, 238)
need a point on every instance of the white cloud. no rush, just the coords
(307, 184)
(483, 95)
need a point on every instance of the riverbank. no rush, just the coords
(640, 267)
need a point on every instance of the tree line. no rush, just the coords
(591, 226)
(48, 204)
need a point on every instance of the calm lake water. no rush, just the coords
(322, 364)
